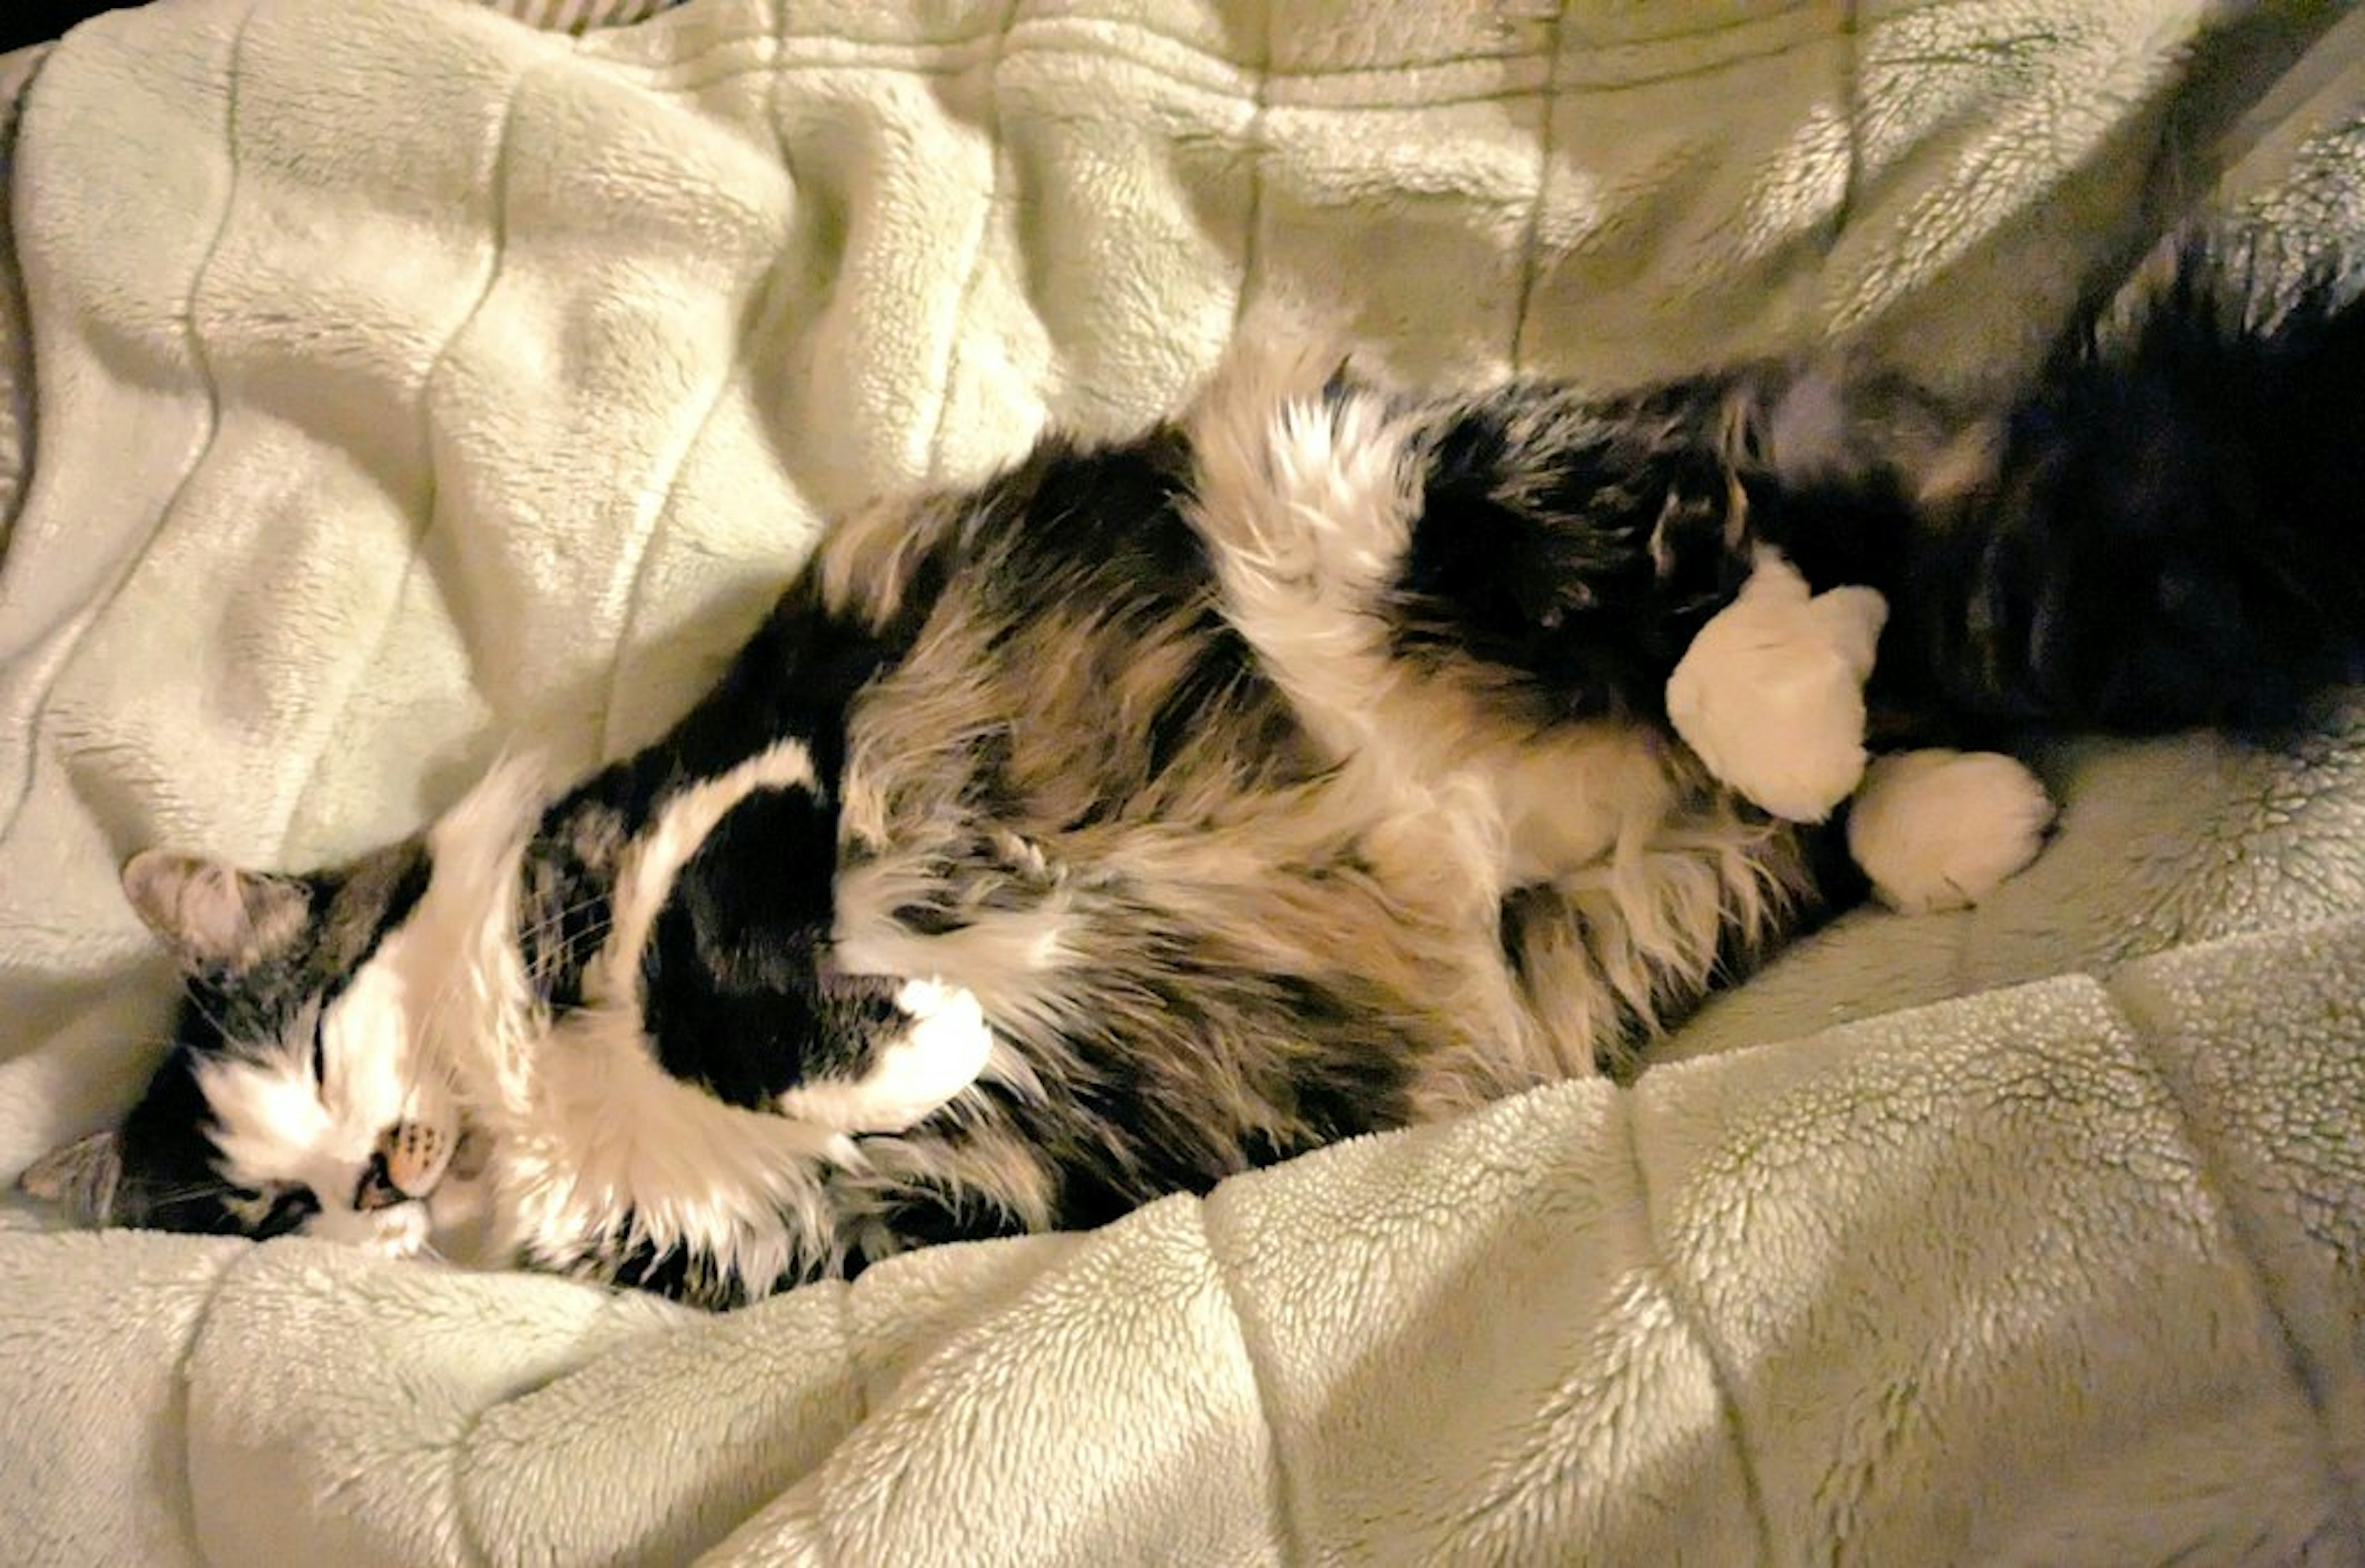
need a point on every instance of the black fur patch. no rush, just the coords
(683, 1276)
(2171, 537)
(795, 678)
(739, 996)
(1109, 513)
(169, 1182)
(1576, 550)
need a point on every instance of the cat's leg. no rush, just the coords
(1610, 955)
(1770, 696)
(723, 941)
(1305, 494)
(976, 1173)
(1568, 555)
(1529, 554)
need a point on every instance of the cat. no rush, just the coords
(1309, 765)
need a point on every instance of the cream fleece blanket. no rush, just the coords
(390, 381)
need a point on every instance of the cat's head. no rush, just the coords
(299, 1093)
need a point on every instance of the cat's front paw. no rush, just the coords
(1937, 829)
(933, 1046)
(1770, 694)
(939, 1054)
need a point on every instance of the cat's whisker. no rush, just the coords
(570, 946)
(589, 901)
(561, 913)
(183, 1192)
(139, 1041)
(195, 999)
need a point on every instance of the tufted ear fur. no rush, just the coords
(81, 1178)
(212, 915)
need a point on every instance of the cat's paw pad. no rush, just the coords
(1770, 694)
(1938, 830)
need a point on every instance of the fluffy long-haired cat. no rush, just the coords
(1305, 766)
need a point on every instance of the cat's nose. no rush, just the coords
(409, 1161)
(377, 1190)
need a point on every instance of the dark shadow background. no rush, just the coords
(31, 21)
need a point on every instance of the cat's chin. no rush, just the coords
(400, 1231)
(458, 1225)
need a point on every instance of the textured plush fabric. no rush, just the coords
(579, 16)
(391, 382)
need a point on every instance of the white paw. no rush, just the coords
(1940, 829)
(939, 1054)
(1770, 694)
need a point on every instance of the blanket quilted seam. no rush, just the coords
(1252, 136)
(459, 1451)
(236, 1260)
(38, 709)
(645, 551)
(884, 52)
(1753, 1486)
(978, 246)
(496, 246)
(1405, 103)
(1289, 1535)
(850, 1340)
(1531, 240)
(1021, 31)
(1421, 96)
(1015, 42)
(20, 413)
(1852, 113)
(2242, 1239)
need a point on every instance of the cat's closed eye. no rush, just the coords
(287, 1210)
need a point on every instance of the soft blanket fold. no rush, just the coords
(390, 382)
(2049, 1274)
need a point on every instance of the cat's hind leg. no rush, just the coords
(1542, 556)
(1305, 496)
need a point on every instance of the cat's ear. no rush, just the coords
(81, 1178)
(211, 914)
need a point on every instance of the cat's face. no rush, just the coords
(299, 1094)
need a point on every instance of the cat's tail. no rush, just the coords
(2167, 530)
